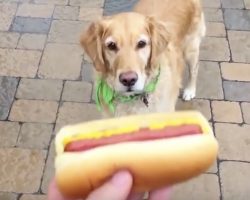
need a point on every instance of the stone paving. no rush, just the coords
(45, 83)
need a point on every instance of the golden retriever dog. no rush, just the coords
(140, 56)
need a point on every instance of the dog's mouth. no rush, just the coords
(131, 91)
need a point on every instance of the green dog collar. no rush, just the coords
(104, 94)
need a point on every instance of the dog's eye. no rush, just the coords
(112, 46)
(141, 44)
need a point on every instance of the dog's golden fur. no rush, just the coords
(172, 31)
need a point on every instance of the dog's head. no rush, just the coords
(124, 49)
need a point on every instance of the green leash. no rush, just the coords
(104, 94)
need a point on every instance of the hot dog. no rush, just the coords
(158, 149)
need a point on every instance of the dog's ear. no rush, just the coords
(91, 43)
(160, 37)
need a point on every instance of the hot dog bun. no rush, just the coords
(153, 164)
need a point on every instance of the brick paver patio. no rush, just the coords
(45, 83)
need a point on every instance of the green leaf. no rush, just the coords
(107, 93)
(150, 87)
(97, 93)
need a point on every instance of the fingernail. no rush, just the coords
(121, 178)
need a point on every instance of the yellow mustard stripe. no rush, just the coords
(177, 122)
(100, 134)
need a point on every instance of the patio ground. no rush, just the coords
(45, 83)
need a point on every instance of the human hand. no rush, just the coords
(117, 188)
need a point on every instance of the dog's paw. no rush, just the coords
(188, 94)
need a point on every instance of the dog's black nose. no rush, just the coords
(128, 78)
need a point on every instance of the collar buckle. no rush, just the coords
(144, 99)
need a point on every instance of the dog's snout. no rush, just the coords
(128, 78)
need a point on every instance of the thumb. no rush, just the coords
(118, 188)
